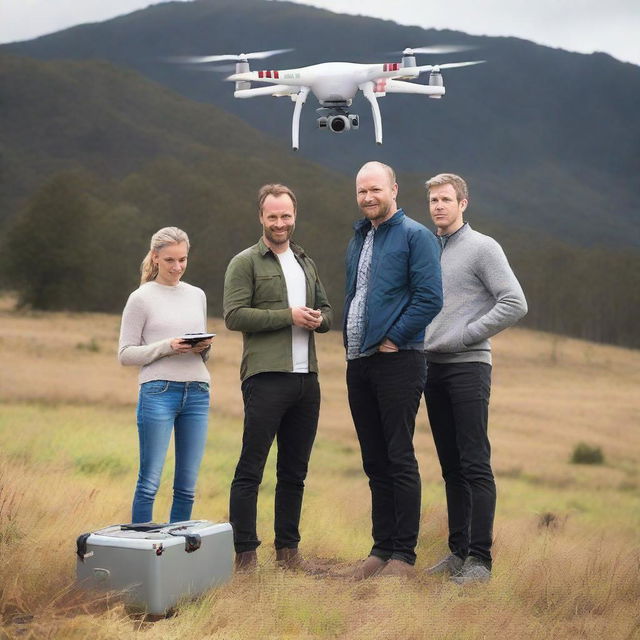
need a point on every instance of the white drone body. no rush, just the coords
(335, 84)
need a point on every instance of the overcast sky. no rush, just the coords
(576, 25)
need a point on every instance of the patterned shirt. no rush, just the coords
(358, 306)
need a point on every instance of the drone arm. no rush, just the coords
(377, 71)
(398, 86)
(300, 99)
(267, 77)
(368, 89)
(276, 89)
(395, 70)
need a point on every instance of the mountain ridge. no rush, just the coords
(547, 134)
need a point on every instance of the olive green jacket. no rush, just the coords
(256, 303)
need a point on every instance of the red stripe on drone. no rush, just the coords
(260, 74)
(276, 75)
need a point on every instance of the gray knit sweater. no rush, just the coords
(481, 298)
(154, 314)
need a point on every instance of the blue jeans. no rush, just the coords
(162, 407)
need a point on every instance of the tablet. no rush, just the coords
(193, 338)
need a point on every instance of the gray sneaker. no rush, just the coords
(473, 570)
(449, 565)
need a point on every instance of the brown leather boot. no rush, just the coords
(246, 561)
(292, 560)
(288, 558)
(369, 567)
(398, 569)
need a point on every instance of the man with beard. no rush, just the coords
(272, 293)
(393, 291)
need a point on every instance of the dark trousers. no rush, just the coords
(384, 397)
(457, 398)
(286, 406)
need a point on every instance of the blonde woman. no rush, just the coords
(174, 381)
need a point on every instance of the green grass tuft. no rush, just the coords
(587, 454)
(92, 465)
(91, 345)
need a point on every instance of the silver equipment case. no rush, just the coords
(156, 565)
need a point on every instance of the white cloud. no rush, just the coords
(25, 19)
(577, 25)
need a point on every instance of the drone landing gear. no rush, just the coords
(300, 98)
(368, 90)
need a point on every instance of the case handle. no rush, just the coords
(81, 545)
(142, 526)
(192, 541)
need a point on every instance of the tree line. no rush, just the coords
(78, 241)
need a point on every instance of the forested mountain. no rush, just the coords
(549, 140)
(94, 157)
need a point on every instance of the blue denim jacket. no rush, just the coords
(405, 286)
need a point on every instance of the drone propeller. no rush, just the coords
(442, 49)
(447, 65)
(222, 68)
(241, 57)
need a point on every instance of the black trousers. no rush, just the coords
(384, 396)
(457, 398)
(283, 406)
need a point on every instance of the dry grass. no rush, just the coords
(567, 547)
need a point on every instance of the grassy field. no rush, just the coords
(567, 547)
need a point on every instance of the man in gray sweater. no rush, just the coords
(481, 298)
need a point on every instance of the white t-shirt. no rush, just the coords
(297, 297)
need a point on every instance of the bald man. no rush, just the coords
(393, 291)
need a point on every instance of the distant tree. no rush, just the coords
(68, 249)
(123, 243)
(589, 293)
(49, 246)
(79, 241)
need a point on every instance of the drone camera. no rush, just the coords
(339, 122)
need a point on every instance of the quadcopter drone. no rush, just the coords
(335, 84)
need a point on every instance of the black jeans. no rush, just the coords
(286, 406)
(384, 395)
(457, 398)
